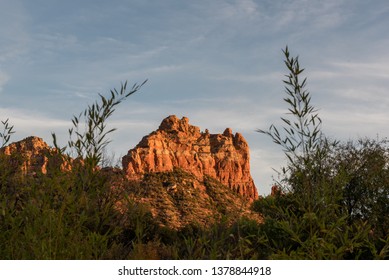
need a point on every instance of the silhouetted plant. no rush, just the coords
(5, 135)
(302, 133)
(88, 142)
(364, 165)
(307, 219)
(64, 214)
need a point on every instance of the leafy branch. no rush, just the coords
(5, 135)
(89, 143)
(303, 131)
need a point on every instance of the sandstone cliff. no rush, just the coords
(29, 154)
(224, 157)
(32, 155)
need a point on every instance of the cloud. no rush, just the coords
(350, 124)
(274, 77)
(363, 84)
(363, 69)
(312, 15)
(237, 10)
(33, 123)
(55, 42)
(13, 34)
(4, 78)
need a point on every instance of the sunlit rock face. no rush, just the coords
(32, 155)
(177, 144)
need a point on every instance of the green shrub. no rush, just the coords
(333, 196)
(64, 214)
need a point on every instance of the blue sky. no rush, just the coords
(217, 62)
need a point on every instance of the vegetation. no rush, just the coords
(7, 132)
(331, 202)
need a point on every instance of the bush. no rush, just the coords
(64, 214)
(334, 196)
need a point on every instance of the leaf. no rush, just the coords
(286, 121)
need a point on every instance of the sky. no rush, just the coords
(219, 63)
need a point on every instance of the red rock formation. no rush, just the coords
(177, 198)
(176, 143)
(31, 155)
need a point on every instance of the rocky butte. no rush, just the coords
(180, 175)
(29, 155)
(177, 144)
(32, 155)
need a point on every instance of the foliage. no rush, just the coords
(5, 135)
(68, 213)
(364, 167)
(90, 142)
(302, 132)
(333, 199)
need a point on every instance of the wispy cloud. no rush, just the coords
(274, 77)
(237, 10)
(4, 78)
(354, 83)
(33, 123)
(378, 69)
(13, 19)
